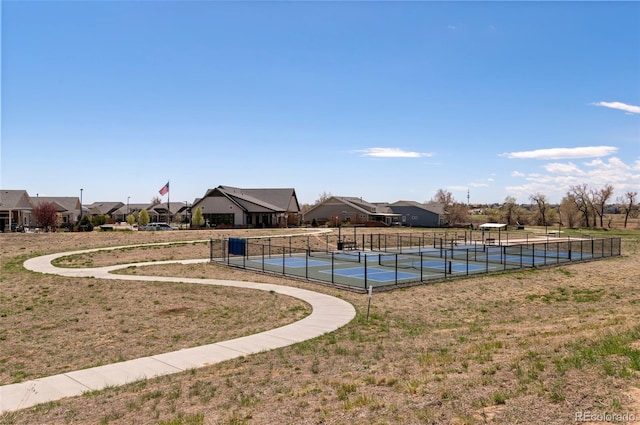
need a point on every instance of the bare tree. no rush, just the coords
(322, 197)
(46, 215)
(599, 199)
(509, 210)
(459, 213)
(155, 201)
(445, 198)
(542, 204)
(568, 211)
(582, 201)
(628, 202)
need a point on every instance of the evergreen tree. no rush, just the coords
(198, 219)
(143, 218)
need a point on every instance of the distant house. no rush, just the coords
(227, 206)
(68, 208)
(164, 213)
(15, 209)
(120, 215)
(345, 209)
(107, 208)
(157, 212)
(420, 215)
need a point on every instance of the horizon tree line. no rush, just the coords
(582, 206)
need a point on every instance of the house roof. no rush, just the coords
(132, 208)
(98, 208)
(280, 197)
(257, 200)
(48, 200)
(379, 209)
(15, 200)
(66, 203)
(174, 207)
(431, 206)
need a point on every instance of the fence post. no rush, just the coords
(467, 251)
(365, 277)
(396, 269)
(332, 268)
(445, 263)
(533, 255)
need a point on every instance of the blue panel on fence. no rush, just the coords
(237, 246)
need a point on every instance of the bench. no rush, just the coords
(349, 245)
(489, 241)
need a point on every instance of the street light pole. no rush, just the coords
(81, 208)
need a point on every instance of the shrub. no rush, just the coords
(99, 220)
(85, 225)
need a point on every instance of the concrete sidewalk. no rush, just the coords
(328, 314)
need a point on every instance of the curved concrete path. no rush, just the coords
(328, 314)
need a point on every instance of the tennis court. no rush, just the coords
(396, 266)
(373, 274)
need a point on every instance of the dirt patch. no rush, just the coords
(175, 310)
(634, 401)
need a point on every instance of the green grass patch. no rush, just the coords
(613, 352)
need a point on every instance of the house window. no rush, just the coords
(221, 219)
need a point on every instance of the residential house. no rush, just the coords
(166, 212)
(68, 208)
(105, 208)
(227, 206)
(120, 215)
(420, 215)
(344, 209)
(157, 212)
(15, 209)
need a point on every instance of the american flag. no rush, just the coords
(165, 189)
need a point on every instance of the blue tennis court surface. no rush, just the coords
(374, 274)
(455, 267)
(516, 259)
(293, 262)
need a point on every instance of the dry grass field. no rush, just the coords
(536, 346)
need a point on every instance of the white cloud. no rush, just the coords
(560, 168)
(392, 153)
(632, 109)
(561, 176)
(517, 174)
(563, 153)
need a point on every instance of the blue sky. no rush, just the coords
(382, 100)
